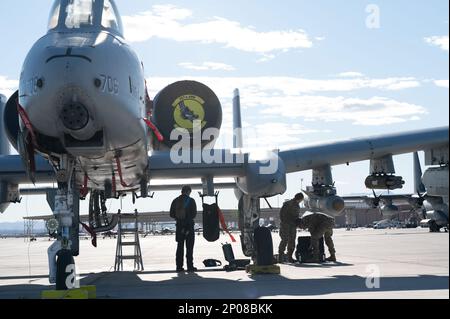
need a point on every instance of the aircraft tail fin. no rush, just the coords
(418, 185)
(237, 121)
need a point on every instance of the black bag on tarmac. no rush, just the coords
(211, 228)
(228, 252)
(234, 264)
(303, 251)
(263, 246)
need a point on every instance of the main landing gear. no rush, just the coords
(256, 241)
(64, 227)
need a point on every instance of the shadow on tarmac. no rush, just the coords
(129, 285)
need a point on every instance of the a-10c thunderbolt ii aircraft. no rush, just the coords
(82, 118)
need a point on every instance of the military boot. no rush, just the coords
(280, 258)
(332, 258)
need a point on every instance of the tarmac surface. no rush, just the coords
(411, 263)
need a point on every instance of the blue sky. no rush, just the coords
(309, 71)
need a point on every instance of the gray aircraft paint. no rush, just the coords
(116, 106)
(4, 143)
(361, 149)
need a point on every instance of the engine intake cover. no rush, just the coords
(11, 119)
(180, 104)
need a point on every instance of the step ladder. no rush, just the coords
(137, 255)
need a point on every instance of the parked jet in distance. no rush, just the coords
(82, 117)
(421, 203)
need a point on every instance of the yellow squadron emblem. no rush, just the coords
(187, 109)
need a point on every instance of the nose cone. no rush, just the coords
(74, 116)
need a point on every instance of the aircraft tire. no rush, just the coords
(64, 260)
(263, 246)
(434, 228)
(108, 190)
(144, 188)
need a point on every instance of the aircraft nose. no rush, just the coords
(74, 116)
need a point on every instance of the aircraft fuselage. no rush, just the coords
(87, 91)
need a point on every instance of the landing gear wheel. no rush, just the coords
(108, 190)
(64, 270)
(434, 228)
(144, 188)
(263, 246)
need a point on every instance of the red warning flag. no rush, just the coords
(224, 225)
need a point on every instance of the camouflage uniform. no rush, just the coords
(288, 228)
(320, 225)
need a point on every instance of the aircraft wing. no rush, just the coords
(402, 198)
(12, 170)
(309, 157)
(397, 199)
(336, 153)
(298, 159)
(162, 166)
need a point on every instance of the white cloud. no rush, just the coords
(169, 22)
(442, 83)
(207, 66)
(402, 85)
(372, 111)
(350, 74)
(285, 98)
(272, 134)
(266, 58)
(285, 86)
(7, 87)
(439, 41)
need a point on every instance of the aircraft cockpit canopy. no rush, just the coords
(85, 15)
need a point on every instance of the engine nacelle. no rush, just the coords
(9, 193)
(331, 205)
(10, 121)
(179, 107)
(383, 181)
(437, 210)
(4, 143)
(45, 144)
(439, 217)
(265, 175)
(435, 180)
(389, 210)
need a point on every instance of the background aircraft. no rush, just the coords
(420, 202)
